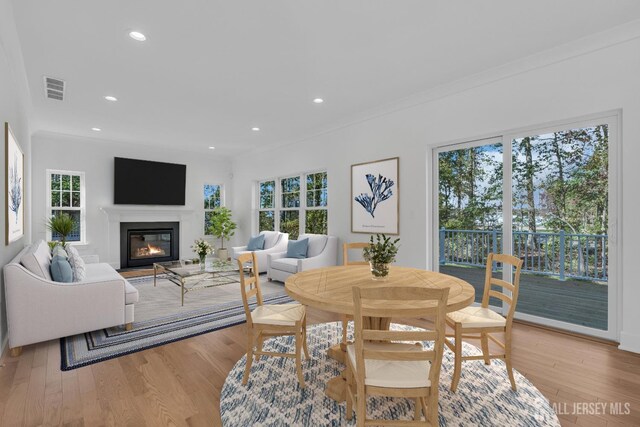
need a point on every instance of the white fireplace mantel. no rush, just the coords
(117, 214)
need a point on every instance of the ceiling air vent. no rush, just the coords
(54, 88)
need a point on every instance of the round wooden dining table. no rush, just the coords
(329, 289)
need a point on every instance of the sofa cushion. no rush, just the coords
(256, 243)
(61, 270)
(297, 248)
(77, 265)
(103, 272)
(317, 243)
(289, 265)
(130, 293)
(37, 259)
(270, 238)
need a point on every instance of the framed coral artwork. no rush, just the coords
(375, 202)
(14, 191)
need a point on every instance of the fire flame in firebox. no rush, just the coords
(149, 250)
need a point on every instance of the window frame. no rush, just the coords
(277, 198)
(82, 208)
(205, 210)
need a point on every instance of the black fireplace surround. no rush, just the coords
(143, 243)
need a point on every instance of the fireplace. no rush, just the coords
(143, 243)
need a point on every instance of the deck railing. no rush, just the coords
(583, 256)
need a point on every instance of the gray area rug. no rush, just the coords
(273, 396)
(160, 319)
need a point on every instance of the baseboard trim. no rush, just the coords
(565, 332)
(629, 342)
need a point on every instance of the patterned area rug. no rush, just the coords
(273, 397)
(160, 319)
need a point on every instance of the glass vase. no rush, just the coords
(202, 261)
(379, 271)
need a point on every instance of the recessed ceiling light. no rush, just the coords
(136, 35)
(111, 98)
(212, 148)
(96, 129)
(255, 129)
(318, 101)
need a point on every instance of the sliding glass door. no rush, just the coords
(546, 196)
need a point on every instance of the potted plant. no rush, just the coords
(223, 228)
(62, 224)
(380, 253)
(202, 248)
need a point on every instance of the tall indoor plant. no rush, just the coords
(223, 228)
(380, 253)
(62, 224)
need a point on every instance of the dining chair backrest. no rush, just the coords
(389, 302)
(345, 253)
(507, 261)
(249, 282)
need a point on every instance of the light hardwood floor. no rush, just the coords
(179, 384)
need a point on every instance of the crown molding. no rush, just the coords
(583, 46)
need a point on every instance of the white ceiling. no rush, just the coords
(210, 70)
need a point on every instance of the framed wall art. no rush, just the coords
(375, 202)
(14, 191)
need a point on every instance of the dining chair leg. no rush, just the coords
(485, 347)
(349, 375)
(345, 327)
(247, 369)
(305, 347)
(299, 357)
(418, 414)
(361, 405)
(260, 344)
(431, 412)
(458, 358)
(507, 360)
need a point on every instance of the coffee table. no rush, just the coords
(191, 277)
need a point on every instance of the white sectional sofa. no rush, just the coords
(39, 309)
(321, 252)
(274, 242)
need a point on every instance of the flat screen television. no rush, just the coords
(143, 182)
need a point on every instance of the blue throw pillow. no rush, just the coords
(61, 270)
(256, 243)
(297, 248)
(59, 250)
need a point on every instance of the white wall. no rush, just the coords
(586, 83)
(14, 108)
(95, 158)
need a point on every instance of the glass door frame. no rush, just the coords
(613, 120)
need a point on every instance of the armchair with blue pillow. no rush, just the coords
(308, 252)
(265, 243)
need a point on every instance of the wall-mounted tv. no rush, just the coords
(143, 182)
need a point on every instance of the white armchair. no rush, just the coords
(274, 242)
(321, 252)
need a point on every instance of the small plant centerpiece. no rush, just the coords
(380, 253)
(202, 248)
(223, 228)
(62, 224)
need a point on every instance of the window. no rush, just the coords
(316, 212)
(212, 199)
(66, 195)
(266, 213)
(294, 205)
(289, 207)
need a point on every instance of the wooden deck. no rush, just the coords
(575, 301)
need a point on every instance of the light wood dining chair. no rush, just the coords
(379, 365)
(481, 322)
(266, 321)
(345, 261)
